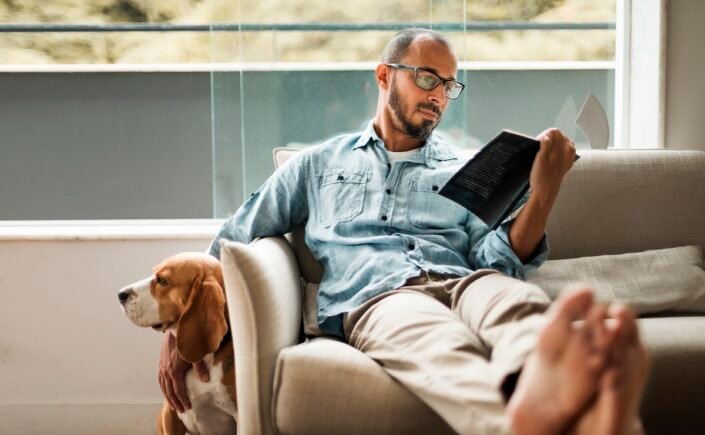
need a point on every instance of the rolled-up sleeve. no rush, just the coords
(492, 249)
(279, 205)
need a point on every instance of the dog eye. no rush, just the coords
(161, 281)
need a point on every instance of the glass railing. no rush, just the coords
(256, 111)
(297, 84)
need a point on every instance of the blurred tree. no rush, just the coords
(319, 46)
(509, 9)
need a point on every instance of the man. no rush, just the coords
(423, 287)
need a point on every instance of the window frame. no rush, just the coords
(640, 81)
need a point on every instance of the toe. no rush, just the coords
(627, 331)
(574, 305)
(595, 322)
(571, 306)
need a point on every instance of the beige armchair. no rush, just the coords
(612, 202)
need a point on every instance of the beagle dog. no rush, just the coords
(185, 296)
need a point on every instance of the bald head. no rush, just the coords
(398, 46)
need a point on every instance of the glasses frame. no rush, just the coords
(442, 81)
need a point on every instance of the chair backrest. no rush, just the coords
(264, 307)
(611, 202)
(618, 201)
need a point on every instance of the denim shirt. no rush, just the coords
(373, 225)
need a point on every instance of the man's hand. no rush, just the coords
(553, 161)
(172, 374)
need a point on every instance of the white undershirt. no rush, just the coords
(399, 155)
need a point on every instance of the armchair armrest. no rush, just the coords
(263, 291)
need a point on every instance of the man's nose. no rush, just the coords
(437, 95)
(125, 294)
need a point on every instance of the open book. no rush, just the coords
(491, 184)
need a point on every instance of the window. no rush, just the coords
(185, 100)
(302, 73)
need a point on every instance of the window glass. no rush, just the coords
(182, 101)
(303, 72)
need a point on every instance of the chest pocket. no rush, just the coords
(428, 209)
(342, 194)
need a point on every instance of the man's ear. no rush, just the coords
(202, 325)
(382, 76)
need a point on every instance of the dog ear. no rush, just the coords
(202, 326)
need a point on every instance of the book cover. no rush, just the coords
(496, 178)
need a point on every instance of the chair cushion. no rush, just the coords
(325, 377)
(656, 281)
(325, 386)
(674, 399)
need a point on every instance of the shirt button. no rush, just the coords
(389, 191)
(384, 217)
(434, 188)
(340, 178)
(411, 246)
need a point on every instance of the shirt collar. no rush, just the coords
(433, 150)
(368, 134)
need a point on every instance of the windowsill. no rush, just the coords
(153, 229)
(292, 66)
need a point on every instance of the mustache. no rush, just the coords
(430, 107)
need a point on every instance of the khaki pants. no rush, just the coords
(452, 342)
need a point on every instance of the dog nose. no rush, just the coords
(125, 294)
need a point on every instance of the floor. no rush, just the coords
(109, 419)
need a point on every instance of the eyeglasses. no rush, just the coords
(428, 81)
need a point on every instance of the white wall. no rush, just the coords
(685, 74)
(70, 361)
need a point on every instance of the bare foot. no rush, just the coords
(563, 374)
(615, 409)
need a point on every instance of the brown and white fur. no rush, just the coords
(185, 296)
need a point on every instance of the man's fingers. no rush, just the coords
(544, 139)
(202, 371)
(179, 386)
(556, 135)
(172, 371)
(166, 392)
(173, 400)
(161, 383)
(163, 388)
